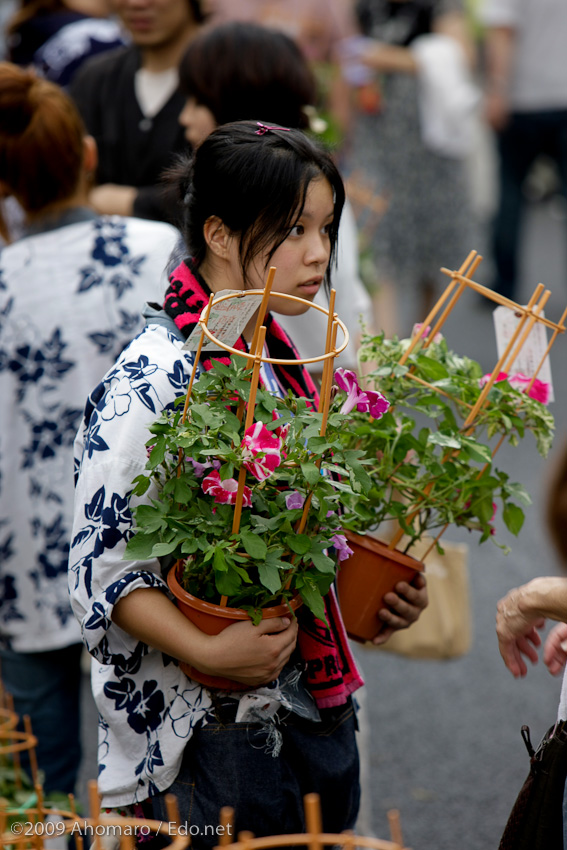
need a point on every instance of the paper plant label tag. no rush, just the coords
(505, 323)
(226, 322)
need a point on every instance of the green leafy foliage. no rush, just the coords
(426, 469)
(266, 561)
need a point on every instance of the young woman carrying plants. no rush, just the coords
(254, 196)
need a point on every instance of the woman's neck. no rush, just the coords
(56, 216)
(217, 276)
(58, 208)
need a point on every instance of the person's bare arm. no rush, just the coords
(522, 612)
(111, 199)
(390, 59)
(253, 655)
(500, 42)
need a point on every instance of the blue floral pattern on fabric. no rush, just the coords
(70, 301)
(149, 708)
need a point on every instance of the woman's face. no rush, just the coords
(197, 120)
(302, 259)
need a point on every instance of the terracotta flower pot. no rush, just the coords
(363, 579)
(212, 619)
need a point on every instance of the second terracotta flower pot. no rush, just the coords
(213, 619)
(363, 579)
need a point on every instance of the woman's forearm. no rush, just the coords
(250, 654)
(389, 59)
(544, 597)
(151, 617)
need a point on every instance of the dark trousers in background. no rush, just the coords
(526, 136)
(46, 686)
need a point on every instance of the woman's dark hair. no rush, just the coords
(256, 184)
(41, 140)
(197, 11)
(241, 70)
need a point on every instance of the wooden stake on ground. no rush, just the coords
(32, 753)
(226, 821)
(395, 827)
(313, 821)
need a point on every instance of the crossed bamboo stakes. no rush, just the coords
(254, 359)
(34, 818)
(529, 315)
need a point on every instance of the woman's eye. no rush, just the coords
(297, 230)
(326, 229)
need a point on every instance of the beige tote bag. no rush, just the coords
(444, 629)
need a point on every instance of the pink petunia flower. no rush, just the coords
(540, 390)
(502, 376)
(224, 492)
(261, 451)
(201, 468)
(367, 401)
(424, 332)
(344, 551)
(294, 501)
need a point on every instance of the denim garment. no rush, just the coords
(226, 764)
(46, 686)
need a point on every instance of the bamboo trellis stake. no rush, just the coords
(96, 825)
(315, 839)
(529, 316)
(255, 358)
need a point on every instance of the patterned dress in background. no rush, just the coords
(70, 300)
(428, 222)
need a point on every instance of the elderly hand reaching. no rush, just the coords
(522, 613)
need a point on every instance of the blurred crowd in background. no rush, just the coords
(443, 117)
(446, 117)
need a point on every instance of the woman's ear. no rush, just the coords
(217, 236)
(90, 155)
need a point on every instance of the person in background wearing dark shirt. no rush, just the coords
(33, 22)
(130, 101)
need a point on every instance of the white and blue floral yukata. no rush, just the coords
(148, 708)
(71, 296)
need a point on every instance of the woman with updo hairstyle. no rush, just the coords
(71, 291)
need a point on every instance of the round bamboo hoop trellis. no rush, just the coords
(255, 358)
(8, 719)
(314, 838)
(96, 826)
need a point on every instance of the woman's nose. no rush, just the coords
(319, 249)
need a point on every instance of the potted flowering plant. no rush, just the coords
(247, 507)
(428, 471)
(431, 456)
(286, 462)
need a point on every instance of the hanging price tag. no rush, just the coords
(227, 320)
(505, 323)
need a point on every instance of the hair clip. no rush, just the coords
(265, 129)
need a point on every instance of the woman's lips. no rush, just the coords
(311, 287)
